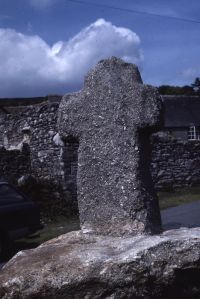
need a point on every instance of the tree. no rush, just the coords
(196, 86)
(175, 90)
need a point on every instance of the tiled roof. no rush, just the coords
(181, 111)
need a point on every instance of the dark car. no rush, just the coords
(19, 216)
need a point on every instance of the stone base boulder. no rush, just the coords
(78, 265)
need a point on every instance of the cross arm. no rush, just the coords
(69, 116)
(151, 115)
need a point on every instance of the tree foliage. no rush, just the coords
(175, 90)
(196, 85)
(190, 90)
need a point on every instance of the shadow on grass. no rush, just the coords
(59, 226)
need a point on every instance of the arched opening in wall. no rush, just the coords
(70, 165)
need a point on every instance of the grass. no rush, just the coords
(178, 197)
(61, 225)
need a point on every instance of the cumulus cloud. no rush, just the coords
(29, 66)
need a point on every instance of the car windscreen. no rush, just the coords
(9, 195)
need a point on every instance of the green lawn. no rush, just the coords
(178, 197)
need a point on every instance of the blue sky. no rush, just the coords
(47, 46)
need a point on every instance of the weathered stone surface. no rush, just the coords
(112, 117)
(78, 265)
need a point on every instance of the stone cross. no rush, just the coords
(113, 117)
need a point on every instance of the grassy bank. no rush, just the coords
(178, 197)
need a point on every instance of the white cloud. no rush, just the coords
(29, 66)
(191, 73)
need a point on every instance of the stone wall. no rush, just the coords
(52, 163)
(36, 126)
(175, 163)
(14, 163)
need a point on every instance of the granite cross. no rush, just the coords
(113, 117)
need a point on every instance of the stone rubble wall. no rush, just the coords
(175, 164)
(14, 163)
(35, 126)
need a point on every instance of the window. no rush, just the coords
(194, 133)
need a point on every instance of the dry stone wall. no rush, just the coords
(14, 163)
(175, 163)
(36, 127)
